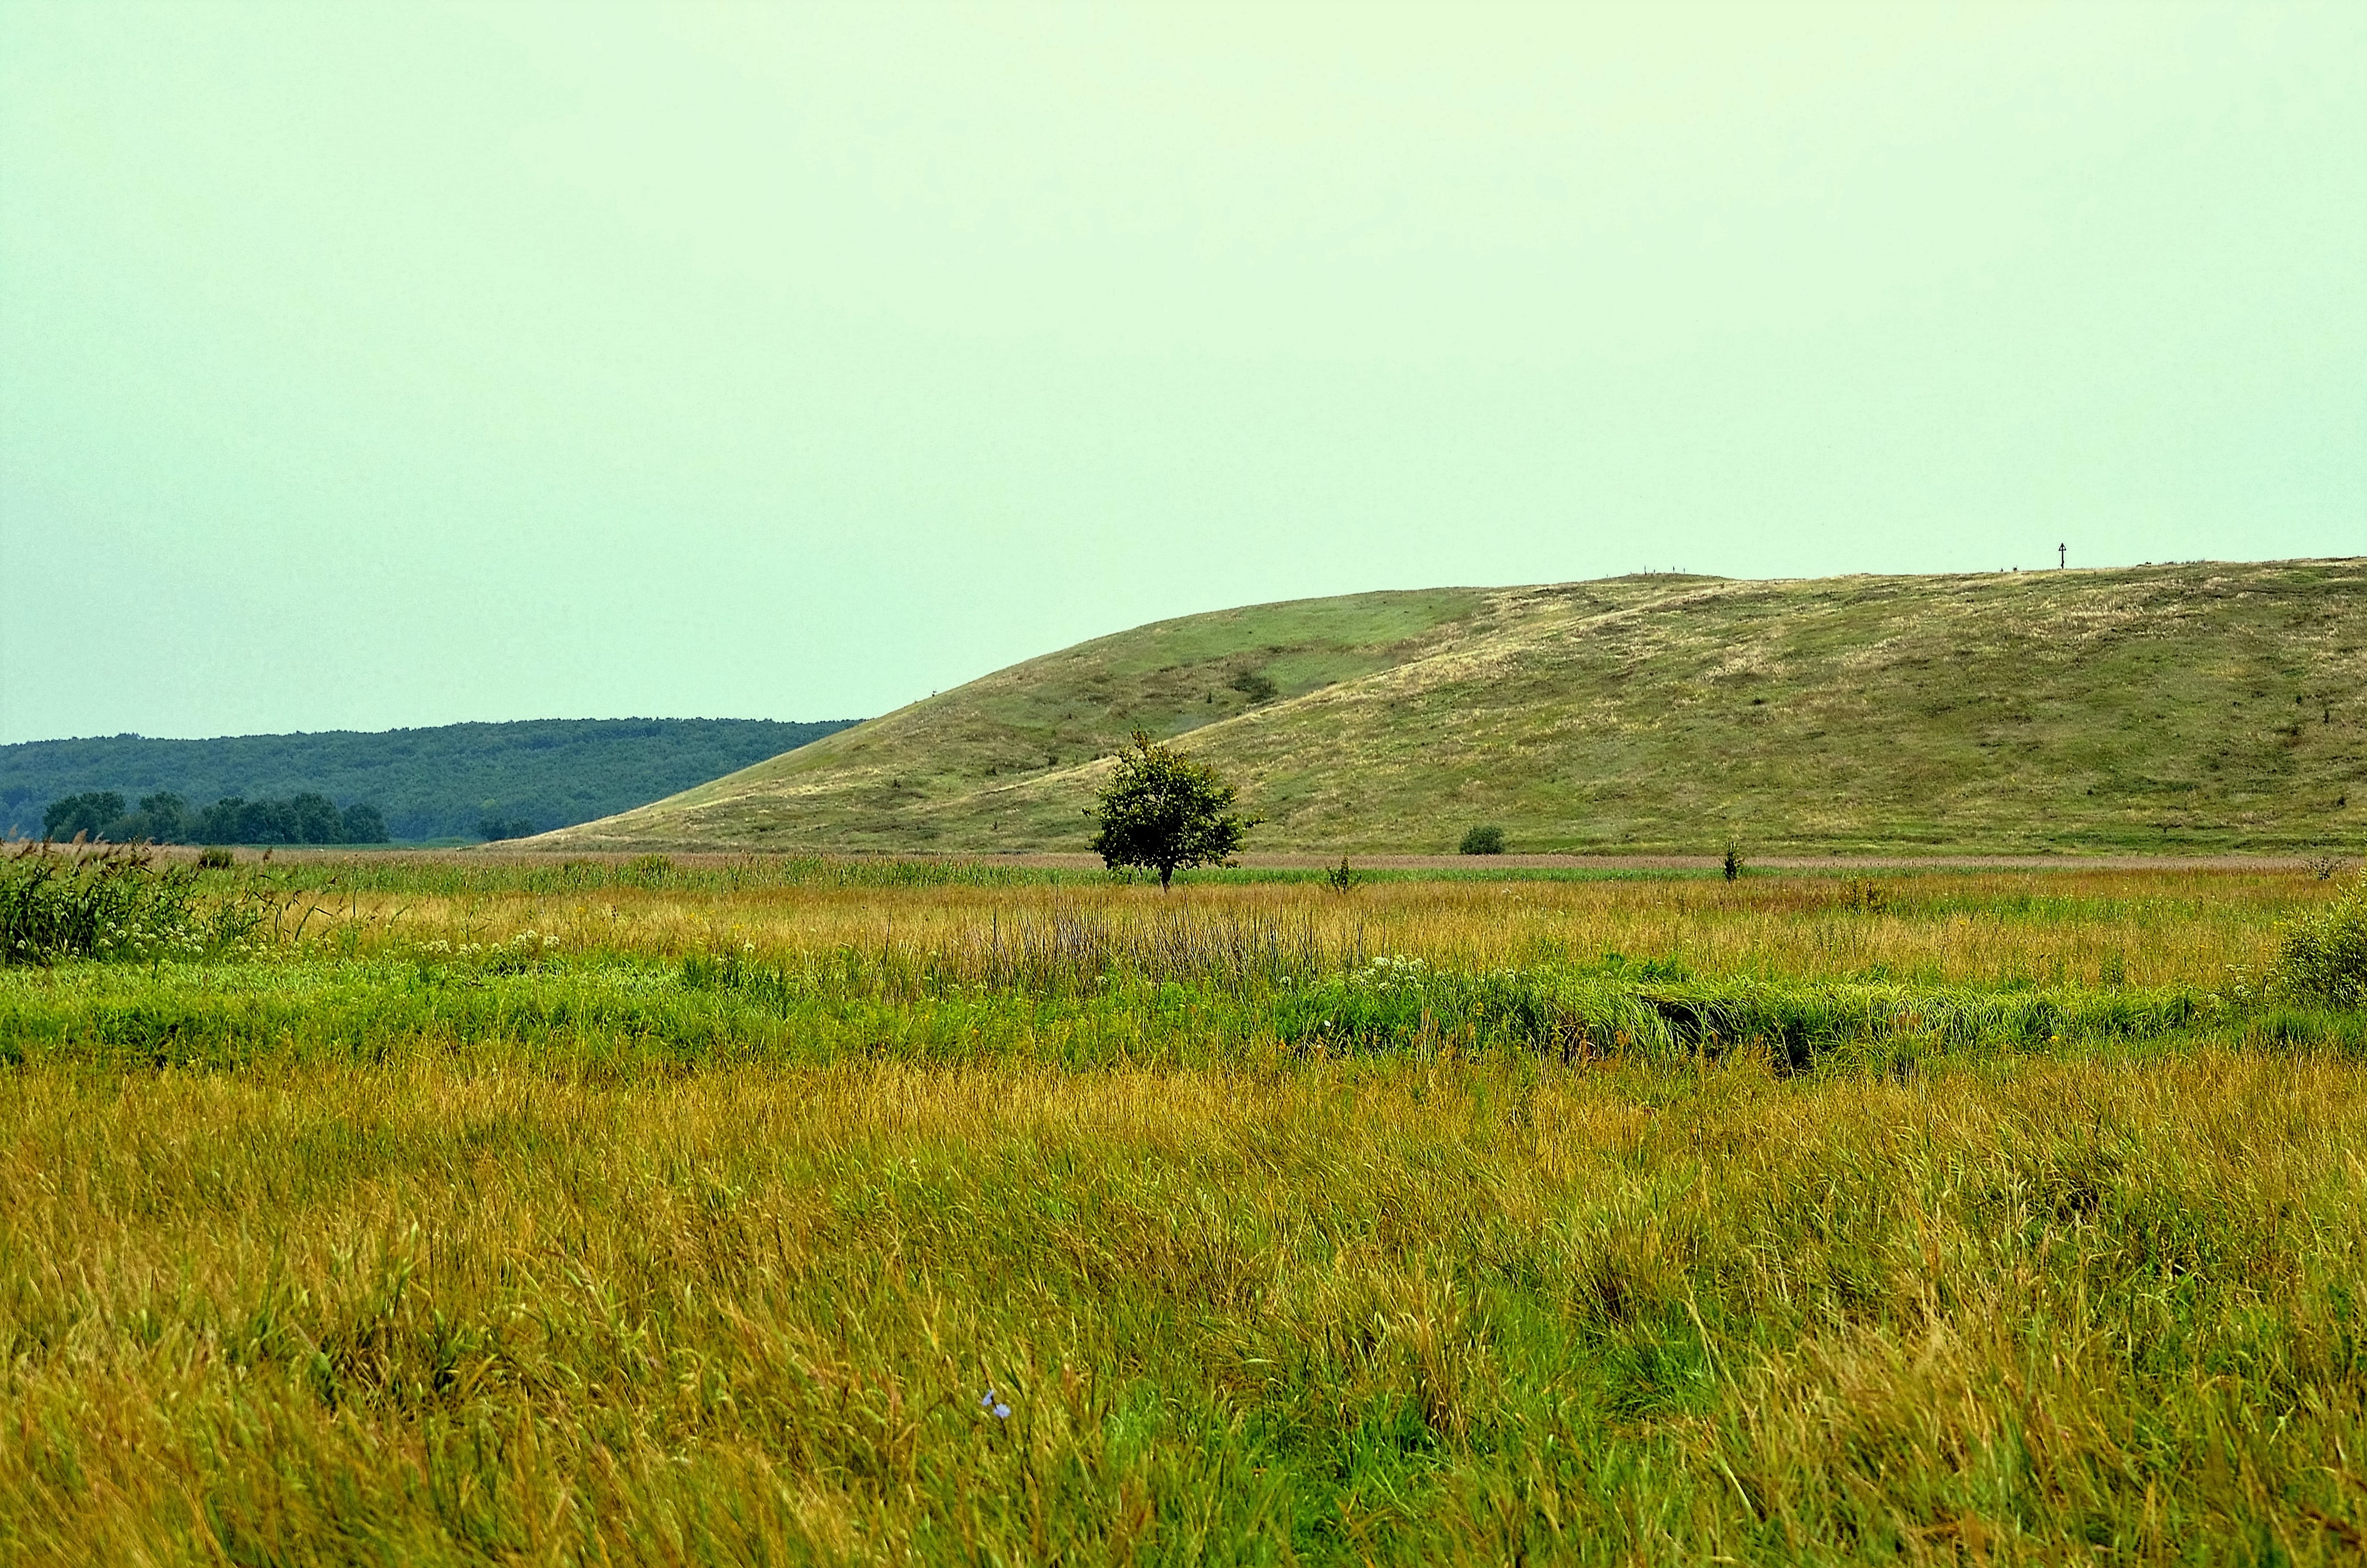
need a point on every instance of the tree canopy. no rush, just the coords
(309, 817)
(1161, 811)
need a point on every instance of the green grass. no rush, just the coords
(2167, 709)
(1076, 1007)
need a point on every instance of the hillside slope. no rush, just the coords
(2192, 707)
(430, 782)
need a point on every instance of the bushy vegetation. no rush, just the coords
(1256, 686)
(425, 784)
(2324, 958)
(1487, 839)
(113, 903)
(661, 1212)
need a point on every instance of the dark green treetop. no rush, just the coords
(89, 813)
(1162, 810)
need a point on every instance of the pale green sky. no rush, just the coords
(375, 366)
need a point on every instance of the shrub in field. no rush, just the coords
(113, 903)
(1862, 894)
(2324, 957)
(1482, 840)
(646, 870)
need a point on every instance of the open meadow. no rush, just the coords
(479, 1210)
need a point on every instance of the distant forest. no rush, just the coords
(455, 781)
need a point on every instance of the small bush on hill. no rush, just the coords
(1256, 686)
(1485, 840)
(2324, 957)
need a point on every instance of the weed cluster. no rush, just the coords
(1343, 878)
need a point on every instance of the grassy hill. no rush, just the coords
(432, 783)
(2199, 706)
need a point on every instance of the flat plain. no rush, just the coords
(481, 1210)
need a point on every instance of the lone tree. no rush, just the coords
(1160, 810)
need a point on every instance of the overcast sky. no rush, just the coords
(370, 367)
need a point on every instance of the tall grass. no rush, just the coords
(1796, 1220)
(2147, 929)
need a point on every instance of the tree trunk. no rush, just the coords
(1165, 872)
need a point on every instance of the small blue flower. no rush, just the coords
(1002, 1413)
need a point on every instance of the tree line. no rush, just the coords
(166, 819)
(445, 783)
